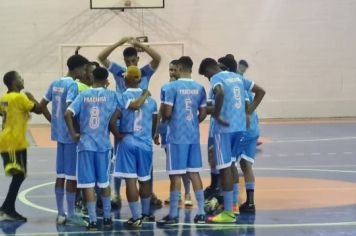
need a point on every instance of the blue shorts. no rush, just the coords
(248, 149)
(163, 140)
(183, 158)
(66, 162)
(225, 148)
(133, 161)
(93, 168)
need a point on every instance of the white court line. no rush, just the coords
(313, 140)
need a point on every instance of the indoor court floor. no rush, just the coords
(305, 185)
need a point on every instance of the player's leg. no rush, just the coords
(187, 198)
(15, 164)
(214, 188)
(116, 201)
(144, 173)
(246, 163)
(59, 185)
(86, 180)
(102, 168)
(222, 156)
(236, 150)
(194, 166)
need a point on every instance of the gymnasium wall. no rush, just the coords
(301, 52)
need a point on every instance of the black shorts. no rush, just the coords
(15, 162)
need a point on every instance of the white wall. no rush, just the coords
(301, 51)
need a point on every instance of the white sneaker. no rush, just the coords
(188, 201)
(61, 220)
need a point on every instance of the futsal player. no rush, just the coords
(134, 153)
(162, 132)
(66, 148)
(184, 107)
(15, 108)
(94, 108)
(131, 57)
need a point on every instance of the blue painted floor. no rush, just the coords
(313, 151)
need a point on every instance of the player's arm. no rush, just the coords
(113, 127)
(138, 103)
(209, 108)
(158, 122)
(103, 56)
(36, 107)
(154, 125)
(156, 57)
(219, 102)
(45, 111)
(259, 94)
(202, 114)
(69, 119)
(166, 112)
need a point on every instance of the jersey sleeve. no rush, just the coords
(202, 101)
(25, 103)
(169, 96)
(116, 70)
(76, 105)
(72, 93)
(48, 95)
(163, 93)
(215, 81)
(154, 106)
(147, 71)
(248, 84)
(122, 101)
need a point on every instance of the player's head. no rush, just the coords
(243, 66)
(89, 76)
(130, 56)
(77, 66)
(209, 67)
(101, 75)
(13, 81)
(173, 73)
(228, 63)
(132, 77)
(185, 65)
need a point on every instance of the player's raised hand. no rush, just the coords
(221, 121)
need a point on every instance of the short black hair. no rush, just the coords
(76, 61)
(129, 52)
(229, 62)
(243, 63)
(205, 64)
(185, 62)
(9, 78)
(174, 62)
(100, 74)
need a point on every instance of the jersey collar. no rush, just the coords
(66, 78)
(185, 79)
(134, 90)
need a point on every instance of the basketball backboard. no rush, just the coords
(126, 4)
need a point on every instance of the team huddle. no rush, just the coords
(84, 112)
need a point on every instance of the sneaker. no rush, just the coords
(155, 202)
(200, 219)
(76, 221)
(148, 218)
(107, 223)
(12, 216)
(188, 201)
(132, 223)
(116, 202)
(248, 208)
(92, 226)
(223, 217)
(61, 220)
(168, 221)
(20, 217)
(235, 209)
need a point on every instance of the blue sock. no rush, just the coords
(146, 203)
(59, 192)
(250, 186)
(117, 185)
(173, 204)
(235, 192)
(227, 200)
(92, 211)
(135, 210)
(186, 183)
(199, 195)
(70, 203)
(106, 206)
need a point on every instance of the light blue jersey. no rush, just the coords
(254, 130)
(187, 97)
(138, 123)
(94, 109)
(118, 71)
(57, 93)
(233, 109)
(163, 126)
